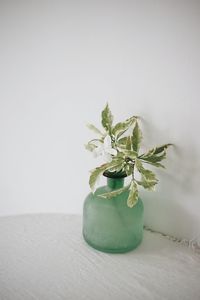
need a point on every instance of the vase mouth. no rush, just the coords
(119, 175)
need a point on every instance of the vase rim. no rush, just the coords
(115, 174)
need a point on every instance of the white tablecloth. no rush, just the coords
(44, 257)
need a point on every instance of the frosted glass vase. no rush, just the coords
(109, 225)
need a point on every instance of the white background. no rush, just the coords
(60, 61)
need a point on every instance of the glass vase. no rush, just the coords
(109, 225)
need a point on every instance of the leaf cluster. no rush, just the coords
(128, 158)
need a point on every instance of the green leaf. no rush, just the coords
(128, 143)
(133, 195)
(97, 172)
(122, 127)
(120, 154)
(136, 138)
(122, 143)
(155, 155)
(90, 147)
(149, 185)
(107, 119)
(114, 193)
(161, 148)
(153, 158)
(130, 153)
(94, 129)
(148, 178)
(116, 164)
(128, 169)
(118, 168)
(149, 175)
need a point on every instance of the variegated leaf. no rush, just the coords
(95, 129)
(148, 178)
(114, 193)
(149, 175)
(161, 148)
(136, 138)
(133, 195)
(128, 143)
(117, 164)
(90, 147)
(107, 119)
(149, 185)
(120, 128)
(121, 143)
(97, 172)
(155, 155)
(154, 158)
(130, 153)
(128, 169)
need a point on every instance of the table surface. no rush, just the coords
(45, 257)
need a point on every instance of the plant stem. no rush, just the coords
(95, 140)
(133, 172)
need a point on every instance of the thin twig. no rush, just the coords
(193, 243)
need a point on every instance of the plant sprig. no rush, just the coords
(122, 154)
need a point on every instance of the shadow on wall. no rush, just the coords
(174, 207)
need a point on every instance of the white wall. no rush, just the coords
(60, 62)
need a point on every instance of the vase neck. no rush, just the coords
(115, 183)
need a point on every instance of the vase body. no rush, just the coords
(109, 225)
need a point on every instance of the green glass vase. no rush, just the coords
(109, 225)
